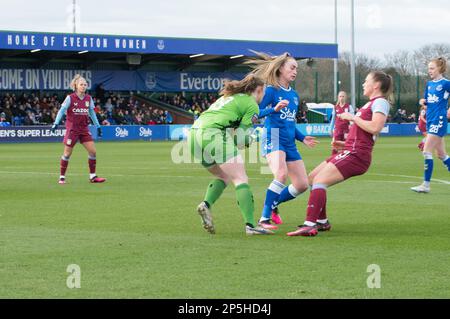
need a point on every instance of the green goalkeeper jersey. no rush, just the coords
(239, 110)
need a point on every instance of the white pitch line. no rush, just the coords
(47, 173)
(107, 175)
(208, 177)
(415, 177)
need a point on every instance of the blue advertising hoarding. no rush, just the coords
(24, 134)
(135, 132)
(51, 79)
(406, 129)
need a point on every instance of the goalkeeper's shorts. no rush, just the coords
(211, 146)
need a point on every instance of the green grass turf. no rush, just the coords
(139, 236)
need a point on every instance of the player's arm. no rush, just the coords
(374, 126)
(298, 135)
(423, 101)
(243, 137)
(264, 110)
(267, 100)
(64, 107)
(421, 116)
(333, 120)
(309, 141)
(351, 109)
(92, 114)
(380, 109)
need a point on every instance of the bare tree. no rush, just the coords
(423, 55)
(402, 61)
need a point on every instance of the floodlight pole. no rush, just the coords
(352, 62)
(74, 21)
(336, 59)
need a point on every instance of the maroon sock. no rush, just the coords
(316, 203)
(92, 164)
(323, 213)
(64, 165)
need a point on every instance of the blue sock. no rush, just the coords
(446, 161)
(288, 193)
(272, 197)
(428, 166)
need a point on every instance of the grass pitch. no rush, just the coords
(139, 236)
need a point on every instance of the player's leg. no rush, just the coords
(92, 162)
(322, 223)
(299, 184)
(315, 171)
(337, 136)
(234, 168)
(431, 144)
(216, 186)
(198, 145)
(442, 153)
(299, 181)
(213, 192)
(64, 163)
(329, 175)
(276, 161)
(422, 143)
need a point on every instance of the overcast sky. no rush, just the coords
(382, 26)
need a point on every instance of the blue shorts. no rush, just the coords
(291, 150)
(438, 127)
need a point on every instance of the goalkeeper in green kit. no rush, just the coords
(214, 140)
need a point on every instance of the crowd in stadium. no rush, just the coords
(196, 104)
(112, 108)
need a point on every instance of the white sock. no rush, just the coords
(91, 176)
(322, 221)
(262, 219)
(62, 177)
(426, 184)
(308, 223)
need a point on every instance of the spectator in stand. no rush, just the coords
(29, 119)
(128, 117)
(102, 117)
(44, 105)
(411, 118)
(46, 117)
(119, 117)
(3, 121)
(147, 116)
(100, 92)
(397, 116)
(169, 118)
(138, 118)
(7, 110)
(109, 107)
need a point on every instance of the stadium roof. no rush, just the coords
(139, 50)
